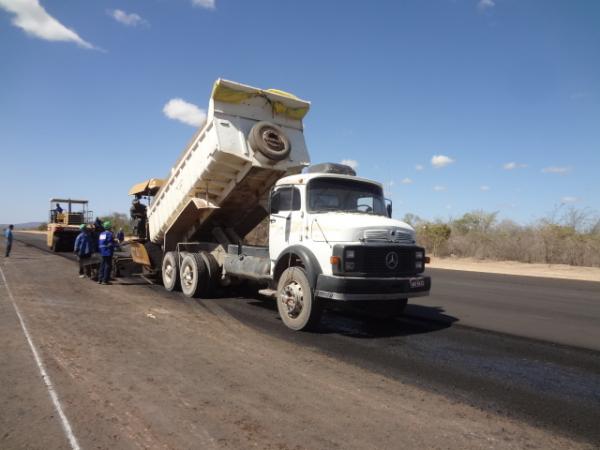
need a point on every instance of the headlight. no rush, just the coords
(419, 265)
(349, 254)
(419, 256)
(349, 266)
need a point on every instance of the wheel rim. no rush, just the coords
(292, 299)
(169, 272)
(187, 276)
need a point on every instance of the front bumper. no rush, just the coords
(359, 288)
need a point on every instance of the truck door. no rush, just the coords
(285, 226)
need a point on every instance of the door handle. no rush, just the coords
(273, 220)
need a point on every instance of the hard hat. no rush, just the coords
(82, 226)
(107, 224)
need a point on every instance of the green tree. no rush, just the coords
(119, 220)
(434, 236)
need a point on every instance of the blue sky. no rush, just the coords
(455, 105)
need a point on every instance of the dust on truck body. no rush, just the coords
(331, 235)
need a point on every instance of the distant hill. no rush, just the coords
(23, 226)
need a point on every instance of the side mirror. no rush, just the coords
(388, 207)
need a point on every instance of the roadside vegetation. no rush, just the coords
(119, 220)
(564, 237)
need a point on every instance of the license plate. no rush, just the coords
(416, 283)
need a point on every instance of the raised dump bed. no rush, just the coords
(252, 137)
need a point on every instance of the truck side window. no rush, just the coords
(285, 199)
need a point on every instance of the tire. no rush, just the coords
(56, 244)
(170, 271)
(298, 308)
(270, 140)
(214, 271)
(193, 275)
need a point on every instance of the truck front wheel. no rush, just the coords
(298, 308)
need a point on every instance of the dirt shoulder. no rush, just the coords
(562, 271)
(140, 368)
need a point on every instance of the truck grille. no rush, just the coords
(378, 260)
(388, 260)
(387, 235)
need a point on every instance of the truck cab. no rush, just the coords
(336, 228)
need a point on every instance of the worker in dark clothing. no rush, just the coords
(138, 216)
(98, 228)
(56, 211)
(121, 236)
(84, 247)
(8, 235)
(106, 246)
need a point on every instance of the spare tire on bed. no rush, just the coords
(269, 140)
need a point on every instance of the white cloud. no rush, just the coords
(407, 181)
(485, 188)
(558, 170)
(569, 199)
(188, 113)
(350, 162)
(32, 18)
(439, 161)
(439, 188)
(482, 5)
(419, 167)
(513, 165)
(129, 19)
(207, 4)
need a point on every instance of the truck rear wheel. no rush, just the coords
(270, 140)
(298, 308)
(194, 276)
(213, 271)
(170, 271)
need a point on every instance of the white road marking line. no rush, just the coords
(53, 395)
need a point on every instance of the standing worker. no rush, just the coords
(106, 247)
(8, 234)
(121, 236)
(84, 247)
(57, 212)
(98, 228)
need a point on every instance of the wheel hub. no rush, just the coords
(293, 299)
(188, 276)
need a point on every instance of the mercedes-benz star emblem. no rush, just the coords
(391, 260)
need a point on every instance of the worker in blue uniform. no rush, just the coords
(106, 246)
(84, 247)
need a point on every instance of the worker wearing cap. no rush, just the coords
(106, 247)
(84, 247)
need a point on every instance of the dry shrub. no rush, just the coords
(572, 237)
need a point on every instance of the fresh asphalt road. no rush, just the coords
(469, 341)
(559, 311)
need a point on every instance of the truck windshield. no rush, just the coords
(338, 194)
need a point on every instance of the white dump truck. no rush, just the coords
(330, 238)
